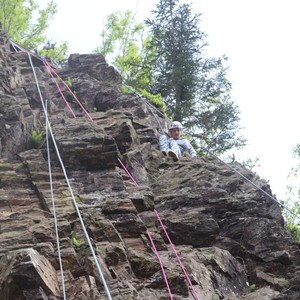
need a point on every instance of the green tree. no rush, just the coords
(26, 23)
(133, 53)
(194, 87)
(57, 54)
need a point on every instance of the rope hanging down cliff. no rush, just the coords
(189, 281)
(152, 108)
(249, 181)
(53, 208)
(69, 186)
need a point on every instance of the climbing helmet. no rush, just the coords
(175, 124)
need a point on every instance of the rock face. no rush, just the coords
(229, 236)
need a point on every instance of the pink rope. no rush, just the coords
(51, 70)
(135, 183)
(177, 256)
(86, 112)
(59, 89)
(161, 264)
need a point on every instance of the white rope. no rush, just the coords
(252, 183)
(149, 105)
(69, 186)
(54, 211)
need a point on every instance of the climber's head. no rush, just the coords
(175, 129)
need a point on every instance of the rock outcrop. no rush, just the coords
(229, 235)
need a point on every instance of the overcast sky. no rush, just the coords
(261, 40)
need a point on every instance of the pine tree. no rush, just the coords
(193, 86)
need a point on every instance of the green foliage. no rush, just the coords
(209, 258)
(17, 18)
(176, 37)
(132, 58)
(194, 87)
(215, 126)
(69, 82)
(56, 54)
(252, 287)
(76, 243)
(156, 100)
(26, 23)
(69, 95)
(296, 151)
(36, 138)
(84, 104)
(171, 61)
(251, 163)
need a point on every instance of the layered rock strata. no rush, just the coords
(229, 235)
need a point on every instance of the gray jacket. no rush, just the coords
(185, 145)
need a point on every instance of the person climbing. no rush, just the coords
(175, 146)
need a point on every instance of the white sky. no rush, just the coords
(261, 40)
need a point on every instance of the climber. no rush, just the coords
(175, 146)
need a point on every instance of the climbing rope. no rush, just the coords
(172, 245)
(149, 105)
(69, 185)
(251, 182)
(177, 256)
(54, 210)
(161, 264)
(58, 87)
(154, 114)
(135, 183)
(71, 92)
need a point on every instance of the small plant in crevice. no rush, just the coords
(70, 97)
(252, 287)
(69, 82)
(84, 104)
(36, 138)
(209, 258)
(76, 243)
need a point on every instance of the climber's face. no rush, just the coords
(175, 133)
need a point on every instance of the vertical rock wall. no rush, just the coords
(229, 235)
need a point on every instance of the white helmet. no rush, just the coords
(175, 124)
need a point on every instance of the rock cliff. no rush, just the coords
(229, 235)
